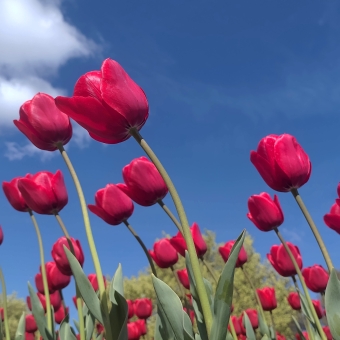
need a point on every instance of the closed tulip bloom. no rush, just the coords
(40, 286)
(107, 103)
(184, 278)
(281, 162)
(264, 212)
(100, 328)
(29, 336)
(305, 335)
(55, 300)
(112, 205)
(43, 123)
(143, 182)
(179, 243)
(133, 331)
(94, 282)
(164, 254)
(225, 253)
(191, 314)
(30, 324)
(141, 323)
(143, 308)
(280, 336)
(319, 311)
(253, 317)
(332, 219)
(236, 324)
(59, 314)
(131, 308)
(294, 300)
(44, 192)
(281, 261)
(28, 302)
(1, 235)
(327, 332)
(267, 298)
(14, 196)
(316, 278)
(56, 279)
(59, 256)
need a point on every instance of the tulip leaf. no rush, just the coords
(86, 290)
(332, 303)
(89, 325)
(197, 336)
(299, 330)
(39, 314)
(229, 336)
(65, 330)
(171, 305)
(265, 337)
(100, 336)
(20, 332)
(117, 283)
(263, 327)
(187, 327)
(163, 330)
(76, 323)
(224, 293)
(249, 328)
(210, 293)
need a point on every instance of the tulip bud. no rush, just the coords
(327, 332)
(29, 336)
(294, 300)
(225, 252)
(281, 162)
(55, 300)
(28, 302)
(280, 336)
(14, 196)
(141, 323)
(100, 328)
(131, 308)
(236, 324)
(40, 285)
(183, 278)
(143, 308)
(56, 279)
(30, 324)
(332, 219)
(164, 254)
(316, 278)
(267, 298)
(253, 317)
(319, 311)
(59, 314)
(94, 282)
(133, 331)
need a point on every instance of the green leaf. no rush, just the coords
(299, 330)
(86, 290)
(89, 326)
(100, 336)
(171, 305)
(263, 327)
(265, 337)
(20, 333)
(332, 303)
(249, 328)
(117, 283)
(229, 336)
(65, 330)
(306, 310)
(163, 330)
(76, 323)
(224, 293)
(187, 327)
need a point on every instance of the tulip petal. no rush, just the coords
(88, 85)
(332, 221)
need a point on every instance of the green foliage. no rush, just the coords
(261, 273)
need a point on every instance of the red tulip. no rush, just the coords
(94, 282)
(43, 123)
(1, 235)
(40, 285)
(141, 323)
(178, 241)
(74, 299)
(332, 219)
(100, 328)
(2, 314)
(305, 335)
(44, 192)
(241, 337)
(164, 254)
(30, 324)
(143, 308)
(133, 331)
(183, 278)
(281, 162)
(131, 308)
(281, 261)
(294, 300)
(13, 194)
(112, 205)
(316, 278)
(59, 256)
(280, 336)
(225, 252)
(267, 298)
(319, 311)
(59, 314)
(55, 300)
(191, 314)
(107, 103)
(236, 324)
(56, 279)
(264, 212)
(253, 317)
(28, 301)
(143, 182)
(327, 332)
(29, 336)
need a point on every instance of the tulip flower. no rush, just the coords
(178, 241)
(164, 254)
(281, 261)
(43, 123)
(74, 299)
(294, 300)
(225, 252)
(54, 298)
(100, 328)
(30, 324)
(327, 332)
(59, 314)
(281, 162)
(319, 311)
(143, 308)
(316, 278)
(112, 205)
(183, 278)
(141, 323)
(39, 284)
(143, 182)
(241, 337)
(56, 279)
(264, 212)
(236, 324)
(94, 282)
(2, 314)
(29, 336)
(280, 336)
(253, 317)
(305, 335)
(332, 219)
(28, 302)
(131, 308)
(267, 298)
(14, 196)
(107, 103)
(59, 256)
(191, 314)
(133, 331)
(44, 192)
(1, 235)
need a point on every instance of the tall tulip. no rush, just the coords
(225, 253)
(143, 183)
(43, 123)
(13, 194)
(281, 162)
(294, 300)
(183, 278)
(267, 298)
(107, 103)
(164, 254)
(332, 219)
(264, 212)
(112, 205)
(143, 308)
(281, 261)
(316, 278)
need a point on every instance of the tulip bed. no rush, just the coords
(113, 108)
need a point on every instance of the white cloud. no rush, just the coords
(81, 137)
(16, 152)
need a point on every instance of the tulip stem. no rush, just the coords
(86, 218)
(314, 228)
(78, 296)
(273, 323)
(171, 215)
(210, 270)
(43, 273)
(302, 281)
(4, 301)
(180, 289)
(202, 293)
(139, 240)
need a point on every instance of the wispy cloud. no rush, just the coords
(292, 235)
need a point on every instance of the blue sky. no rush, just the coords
(219, 76)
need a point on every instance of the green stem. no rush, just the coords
(171, 215)
(43, 273)
(210, 270)
(273, 324)
(86, 218)
(139, 240)
(305, 290)
(4, 298)
(79, 299)
(313, 228)
(201, 291)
